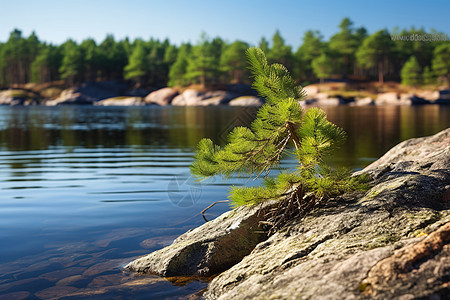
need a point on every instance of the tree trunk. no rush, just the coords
(380, 71)
(203, 80)
(345, 66)
(236, 76)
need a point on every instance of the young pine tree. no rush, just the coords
(428, 76)
(322, 66)
(410, 72)
(281, 127)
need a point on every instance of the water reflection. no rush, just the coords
(40, 128)
(86, 189)
(182, 127)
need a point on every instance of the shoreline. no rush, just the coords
(115, 94)
(358, 245)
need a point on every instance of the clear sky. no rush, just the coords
(184, 20)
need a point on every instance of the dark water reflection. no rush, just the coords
(83, 190)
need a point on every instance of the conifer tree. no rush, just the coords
(441, 61)
(233, 60)
(428, 76)
(263, 45)
(204, 61)
(91, 59)
(72, 63)
(170, 54)
(311, 48)
(46, 66)
(411, 72)
(344, 43)
(177, 70)
(375, 52)
(280, 52)
(280, 124)
(137, 64)
(322, 66)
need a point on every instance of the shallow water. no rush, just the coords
(84, 190)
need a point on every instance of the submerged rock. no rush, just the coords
(390, 242)
(209, 249)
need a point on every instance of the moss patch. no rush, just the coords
(349, 94)
(363, 286)
(51, 92)
(383, 240)
(119, 98)
(19, 94)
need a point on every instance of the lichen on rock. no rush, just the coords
(390, 242)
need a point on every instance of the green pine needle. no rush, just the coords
(280, 125)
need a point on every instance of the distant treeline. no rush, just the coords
(351, 53)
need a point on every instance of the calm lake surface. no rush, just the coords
(84, 190)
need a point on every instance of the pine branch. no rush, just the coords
(256, 150)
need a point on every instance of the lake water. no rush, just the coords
(84, 190)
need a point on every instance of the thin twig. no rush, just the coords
(203, 211)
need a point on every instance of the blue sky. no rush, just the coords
(248, 20)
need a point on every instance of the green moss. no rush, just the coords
(383, 240)
(363, 286)
(51, 92)
(388, 239)
(19, 94)
(119, 98)
(420, 221)
(372, 194)
(348, 94)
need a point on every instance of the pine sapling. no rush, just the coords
(281, 128)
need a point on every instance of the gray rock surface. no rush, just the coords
(366, 101)
(444, 97)
(209, 249)
(121, 101)
(88, 93)
(351, 247)
(311, 90)
(70, 96)
(390, 242)
(246, 101)
(18, 97)
(387, 98)
(162, 96)
(191, 97)
(429, 95)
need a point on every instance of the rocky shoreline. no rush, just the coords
(116, 94)
(390, 242)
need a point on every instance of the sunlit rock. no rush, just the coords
(161, 97)
(246, 101)
(208, 249)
